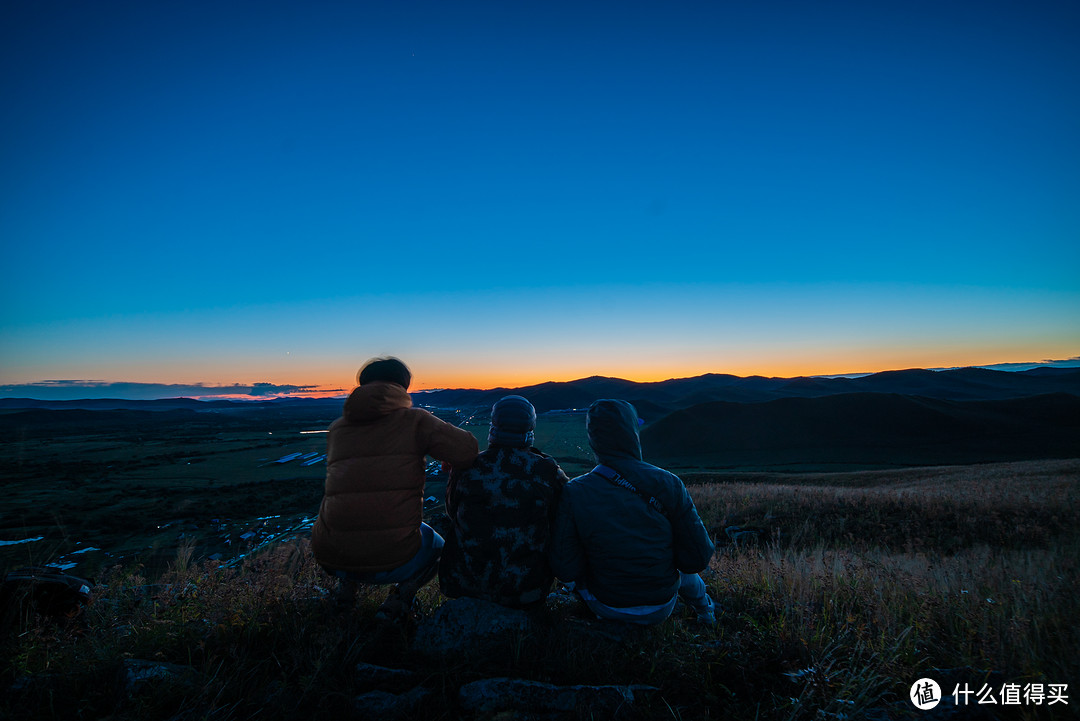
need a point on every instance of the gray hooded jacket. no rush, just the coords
(608, 538)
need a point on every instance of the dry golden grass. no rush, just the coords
(910, 571)
(863, 584)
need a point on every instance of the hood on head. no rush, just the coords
(612, 426)
(374, 400)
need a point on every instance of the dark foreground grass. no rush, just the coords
(866, 584)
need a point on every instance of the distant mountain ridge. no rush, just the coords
(658, 398)
(161, 404)
(895, 418)
(678, 393)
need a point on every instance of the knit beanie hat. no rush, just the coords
(513, 420)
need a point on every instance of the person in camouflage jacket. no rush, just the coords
(501, 510)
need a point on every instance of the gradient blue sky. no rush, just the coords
(503, 193)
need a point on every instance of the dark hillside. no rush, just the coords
(866, 429)
(962, 384)
(1049, 372)
(579, 393)
(76, 421)
(752, 389)
(1055, 409)
(958, 384)
(545, 397)
(42, 423)
(649, 411)
(672, 394)
(111, 404)
(810, 387)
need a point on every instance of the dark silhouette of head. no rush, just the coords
(388, 370)
(513, 420)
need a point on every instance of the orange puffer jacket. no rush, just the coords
(372, 504)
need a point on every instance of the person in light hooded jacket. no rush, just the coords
(627, 537)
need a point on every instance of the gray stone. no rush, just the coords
(468, 627)
(496, 695)
(380, 704)
(367, 673)
(33, 683)
(137, 673)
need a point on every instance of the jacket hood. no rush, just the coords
(375, 400)
(613, 430)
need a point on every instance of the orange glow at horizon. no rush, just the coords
(327, 376)
(429, 374)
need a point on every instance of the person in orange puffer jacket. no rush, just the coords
(370, 527)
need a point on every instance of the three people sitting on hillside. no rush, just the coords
(625, 537)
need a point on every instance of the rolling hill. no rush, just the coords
(894, 418)
(865, 430)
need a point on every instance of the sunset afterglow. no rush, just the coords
(242, 198)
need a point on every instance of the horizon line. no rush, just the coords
(266, 392)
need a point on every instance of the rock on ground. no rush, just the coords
(383, 705)
(371, 675)
(495, 695)
(471, 628)
(137, 673)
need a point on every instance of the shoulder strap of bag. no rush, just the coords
(612, 476)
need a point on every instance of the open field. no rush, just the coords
(130, 483)
(858, 585)
(141, 485)
(843, 589)
(137, 481)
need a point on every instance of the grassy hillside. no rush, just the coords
(862, 584)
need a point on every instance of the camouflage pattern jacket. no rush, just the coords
(501, 510)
